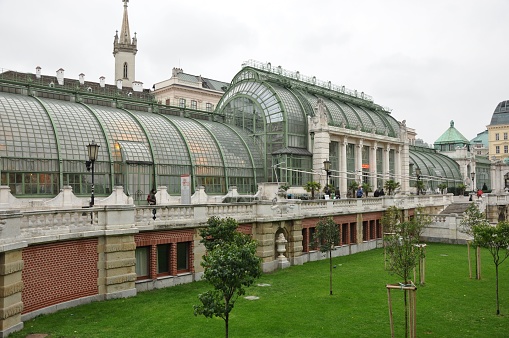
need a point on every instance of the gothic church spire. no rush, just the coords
(124, 51)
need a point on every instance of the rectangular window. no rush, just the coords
(497, 137)
(142, 262)
(182, 103)
(163, 259)
(167, 102)
(497, 149)
(209, 107)
(505, 136)
(194, 104)
(183, 256)
(506, 149)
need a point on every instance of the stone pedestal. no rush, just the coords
(282, 261)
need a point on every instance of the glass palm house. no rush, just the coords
(261, 121)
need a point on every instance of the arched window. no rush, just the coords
(125, 70)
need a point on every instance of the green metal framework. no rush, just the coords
(273, 105)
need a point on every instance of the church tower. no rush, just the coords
(124, 51)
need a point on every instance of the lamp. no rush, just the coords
(326, 167)
(472, 175)
(93, 150)
(418, 174)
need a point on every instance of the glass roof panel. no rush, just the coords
(337, 115)
(26, 130)
(135, 152)
(168, 145)
(76, 127)
(377, 120)
(353, 119)
(203, 147)
(120, 126)
(367, 122)
(295, 114)
(234, 150)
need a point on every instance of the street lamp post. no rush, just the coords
(418, 174)
(326, 167)
(472, 175)
(93, 150)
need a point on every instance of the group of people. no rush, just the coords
(379, 192)
(335, 194)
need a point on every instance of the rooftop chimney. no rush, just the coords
(137, 86)
(176, 71)
(101, 81)
(82, 79)
(38, 72)
(60, 76)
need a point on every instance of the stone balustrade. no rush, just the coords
(38, 226)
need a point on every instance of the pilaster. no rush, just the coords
(11, 287)
(116, 266)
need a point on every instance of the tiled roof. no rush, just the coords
(206, 83)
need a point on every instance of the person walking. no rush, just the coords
(360, 192)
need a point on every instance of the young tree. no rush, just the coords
(367, 188)
(471, 218)
(327, 235)
(401, 254)
(496, 240)
(461, 189)
(353, 187)
(391, 186)
(230, 265)
(312, 186)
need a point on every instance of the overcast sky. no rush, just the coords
(429, 61)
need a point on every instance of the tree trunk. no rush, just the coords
(406, 312)
(226, 325)
(496, 282)
(330, 271)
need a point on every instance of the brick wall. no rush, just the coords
(59, 272)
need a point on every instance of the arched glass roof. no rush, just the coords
(435, 166)
(297, 99)
(58, 131)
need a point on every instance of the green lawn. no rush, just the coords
(297, 304)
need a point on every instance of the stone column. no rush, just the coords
(372, 166)
(343, 181)
(386, 162)
(358, 161)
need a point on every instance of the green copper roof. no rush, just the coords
(481, 138)
(452, 135)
